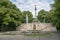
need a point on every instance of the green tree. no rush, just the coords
(56, 16)
(44, 16)
(51, 15)
(30, 16)
(10, 16)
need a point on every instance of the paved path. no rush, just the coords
(53, 36)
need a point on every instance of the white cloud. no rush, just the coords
(29, 5)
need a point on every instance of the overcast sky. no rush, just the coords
(25, 5)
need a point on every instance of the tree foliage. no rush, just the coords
(10, 16)
(56, 16)
(53, 15)
(44, 16)
(30, 16)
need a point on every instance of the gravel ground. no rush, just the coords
(53, 36)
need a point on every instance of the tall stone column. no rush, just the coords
(34, 25)
(35, 11)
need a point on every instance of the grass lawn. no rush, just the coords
(47, 34)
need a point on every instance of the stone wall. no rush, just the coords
(39, 26)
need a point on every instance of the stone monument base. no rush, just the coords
(35, 27)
